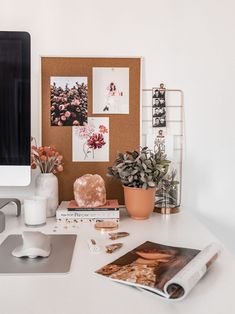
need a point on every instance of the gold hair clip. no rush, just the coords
(113, 247)
(117, 235)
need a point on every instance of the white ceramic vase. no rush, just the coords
(47, 186)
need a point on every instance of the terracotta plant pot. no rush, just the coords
(139, 202)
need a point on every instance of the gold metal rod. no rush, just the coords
(166, 120)
(166, 89)
(182, 126)
(166, 106)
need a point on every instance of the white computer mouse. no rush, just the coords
(35, 244)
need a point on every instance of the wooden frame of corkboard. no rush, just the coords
(124, 128)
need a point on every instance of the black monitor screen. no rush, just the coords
(14, 98)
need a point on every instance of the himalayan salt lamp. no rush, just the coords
(89, 191)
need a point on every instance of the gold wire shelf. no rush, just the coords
(177, 150)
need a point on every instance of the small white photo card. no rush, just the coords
(163, 140)
(110, 90)
(91, 141)
(68, 100)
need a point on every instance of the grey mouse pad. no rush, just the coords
(59, 260)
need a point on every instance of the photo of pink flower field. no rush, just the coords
(68, 101)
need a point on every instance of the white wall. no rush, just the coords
(187, 44)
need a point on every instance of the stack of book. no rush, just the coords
(71, 212)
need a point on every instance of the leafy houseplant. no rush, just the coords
(140, 173)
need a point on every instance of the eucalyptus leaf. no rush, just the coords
(134, 171)
(145, 186)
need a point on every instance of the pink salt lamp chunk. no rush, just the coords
(89, 191)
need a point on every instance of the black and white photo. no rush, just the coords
(159, 107)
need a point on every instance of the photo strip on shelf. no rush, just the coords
(159, 107)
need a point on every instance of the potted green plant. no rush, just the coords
(140, 173)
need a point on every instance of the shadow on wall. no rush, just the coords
(196, 182)
(225, 233)
(198, 188)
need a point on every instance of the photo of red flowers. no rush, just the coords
(91, 141)
(68, 101)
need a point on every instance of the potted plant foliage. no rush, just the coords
(140, 173)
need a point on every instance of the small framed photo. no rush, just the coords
(110, 90)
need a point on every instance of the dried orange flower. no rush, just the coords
(46, 158)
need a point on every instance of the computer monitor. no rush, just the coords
(15, 126)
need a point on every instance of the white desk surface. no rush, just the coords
(83, 292)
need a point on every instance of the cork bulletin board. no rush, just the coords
(124, 129)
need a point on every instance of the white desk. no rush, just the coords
(83, 292)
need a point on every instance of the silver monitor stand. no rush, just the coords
(5, 201)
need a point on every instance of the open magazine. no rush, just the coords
(168, 271)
